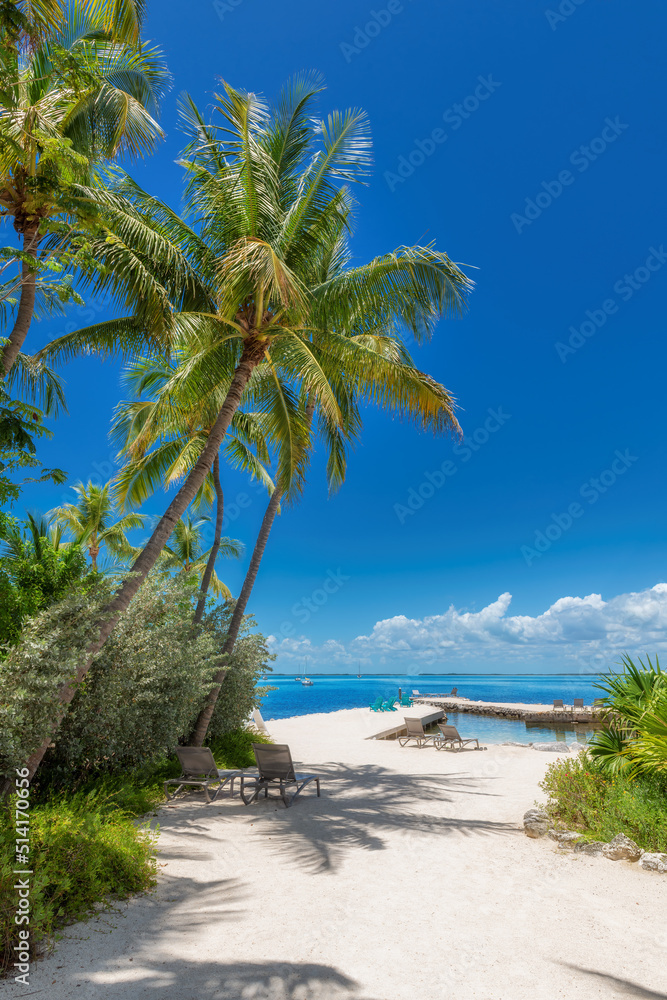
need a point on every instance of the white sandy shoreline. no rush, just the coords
(410, 876)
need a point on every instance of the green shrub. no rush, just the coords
(239, 693)
(52, 646)
(234, 749)
(601, 805)
(84, 852)
(143, 693)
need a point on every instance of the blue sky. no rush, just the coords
(531, 144)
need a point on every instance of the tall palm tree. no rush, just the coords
(270, 189)
(93, 521)
(77, 88)
(162, 436)
(185, 551)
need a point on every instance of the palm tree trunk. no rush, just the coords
(26, 304)
(215, 548)
(253, 352)
(206, 713)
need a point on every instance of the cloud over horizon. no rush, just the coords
(577, 631)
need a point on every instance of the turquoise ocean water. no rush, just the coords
(331, 693)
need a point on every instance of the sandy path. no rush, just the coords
(409, 878)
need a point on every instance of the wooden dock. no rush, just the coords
(392, 724)
(507, 710)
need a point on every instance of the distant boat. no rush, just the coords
(300, 679)
(307, 682)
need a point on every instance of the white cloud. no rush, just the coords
(573, 630)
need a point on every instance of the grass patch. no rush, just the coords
(602, 805)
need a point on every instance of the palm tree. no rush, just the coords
(634, 739)
(162, 437)
(270, 189)
(185, 552)
(77, 88)
(92, 521)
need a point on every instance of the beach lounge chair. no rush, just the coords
(198, 767)
(414, 730)
(558, 703)
(578, 703)
(599, 702)
(389, 705)
(377, 704)
(416, 694)
(454, 693)
(450, 739)
(275, 770)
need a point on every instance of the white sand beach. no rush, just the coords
(410, 877)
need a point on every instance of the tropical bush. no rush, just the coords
(634, 741)
(239, 693)
(143, 692)
(583, 797)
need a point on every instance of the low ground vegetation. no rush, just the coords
(584, 798)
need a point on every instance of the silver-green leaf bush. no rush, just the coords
(142, 694)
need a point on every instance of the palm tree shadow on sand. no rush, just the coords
(624, 987)
(357, 808)
(181, 980)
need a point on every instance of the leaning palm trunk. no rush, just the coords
(206, 713)
(26, 307)
(252, 354)
(210, 565)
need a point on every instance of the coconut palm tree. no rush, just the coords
(161, 440)
(77, 88)
(269, 188)
(93, 522)
(185, 552)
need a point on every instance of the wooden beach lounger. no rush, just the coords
(578, 703)
(450, 739)
(415, 731)
(199, 768)
(275, 767)
(558, 703)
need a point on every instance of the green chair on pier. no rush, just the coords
(377, 704)
(406, 701)
(390, 705)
